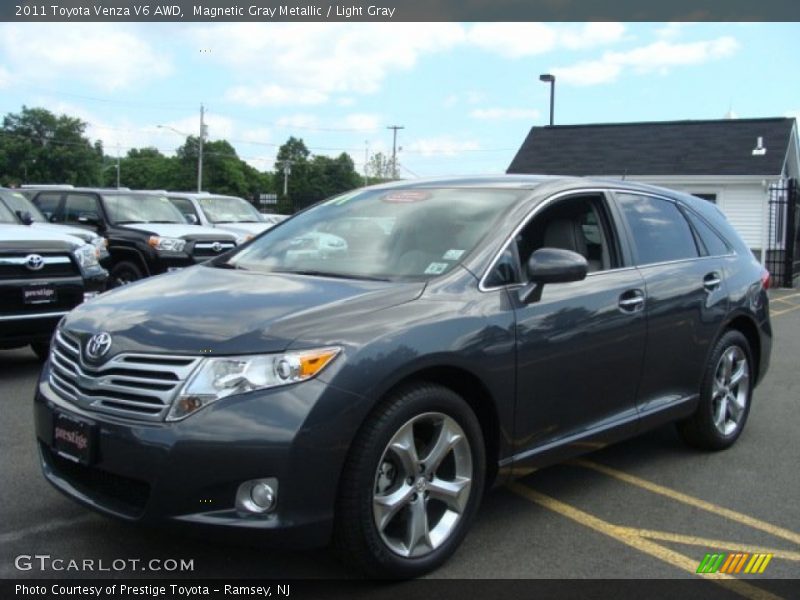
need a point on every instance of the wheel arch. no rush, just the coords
(122, 254)
(748, 328)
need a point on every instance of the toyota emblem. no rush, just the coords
(34, 262)
(216, 247)
(98, 345)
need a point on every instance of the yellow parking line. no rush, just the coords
(691, 540)
(777, 313)
(623, 535)
(785, 297)
(692, 501)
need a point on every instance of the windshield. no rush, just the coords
(17, 202)
(6, 216)
(228, 209)
(141, 208)
(384, 234)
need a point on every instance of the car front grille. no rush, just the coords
(135, 386)
(209, 249)
(19, 266)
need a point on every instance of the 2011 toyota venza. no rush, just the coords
(363, 371)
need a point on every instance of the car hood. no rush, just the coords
(239, 229)
(178, 230)
(213, 311)
(24, 236)
(78, 232)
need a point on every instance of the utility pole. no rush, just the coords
(394, 129)
(117, 165)
(200, 150)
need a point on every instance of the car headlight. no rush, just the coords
(86, 255)
(244, 238)
(165, 244)
(226, 376)
(101, 245)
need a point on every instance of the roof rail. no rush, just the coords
(54, 186)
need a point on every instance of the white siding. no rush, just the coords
(744, 206)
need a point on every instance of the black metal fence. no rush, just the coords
(783, 243)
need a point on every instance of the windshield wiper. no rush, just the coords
(227, 265)
(169, 222)
(128, 222)
(314, 273)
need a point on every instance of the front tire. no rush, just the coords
(725, 396)
(124, 273)
(412, 483)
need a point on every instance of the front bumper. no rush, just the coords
(187, 473)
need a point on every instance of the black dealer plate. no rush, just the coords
(73, 438)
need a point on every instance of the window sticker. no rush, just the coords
(406, 196)
(453, 254)
(435, 268)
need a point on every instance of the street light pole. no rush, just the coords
(551, 79)
(200, 150)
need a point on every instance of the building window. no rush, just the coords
(710, 197)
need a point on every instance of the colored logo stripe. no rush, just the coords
(734, 562)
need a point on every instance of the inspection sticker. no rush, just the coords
(435, 268)
(453, 254)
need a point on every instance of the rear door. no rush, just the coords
(686, 297)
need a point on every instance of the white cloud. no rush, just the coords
(504, 114)
(362, 122)
(309, 62)
(299, 121)
(516, 40)
(442, 145)
(659, 56)
(271, 94)
(106, 56)
(5, 77)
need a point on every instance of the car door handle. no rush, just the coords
(712, 281)
(631, 301)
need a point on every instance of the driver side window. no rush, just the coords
(577, 223)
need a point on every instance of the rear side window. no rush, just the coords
(78, 206)
(713, 243)
(660, 231)
(48, 203)
(185, 206)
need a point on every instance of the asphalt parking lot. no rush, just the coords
(646, 508)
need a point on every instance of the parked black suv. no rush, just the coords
(146, 234)
(43, 275)
(478, 328)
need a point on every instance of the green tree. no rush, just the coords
(379, 168)
(38, 146)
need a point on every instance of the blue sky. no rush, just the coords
(466, 94)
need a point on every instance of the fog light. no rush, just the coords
(257, 496)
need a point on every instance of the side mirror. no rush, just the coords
(25, 217)
(192, 219)
(552, 265)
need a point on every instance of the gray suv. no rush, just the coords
(463, 331)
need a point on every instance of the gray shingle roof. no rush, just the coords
(722, 147)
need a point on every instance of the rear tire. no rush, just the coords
(396, 516)
(725, 396)
(124, 273)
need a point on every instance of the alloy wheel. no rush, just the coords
(422, 484)
(731, 390)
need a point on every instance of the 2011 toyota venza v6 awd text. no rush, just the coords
(363, 371)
